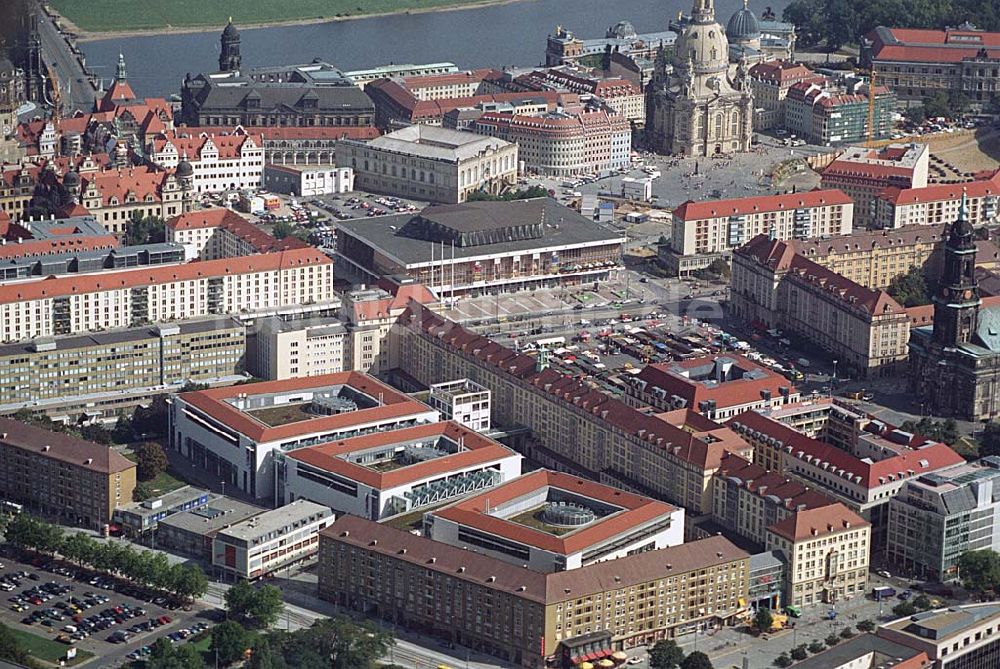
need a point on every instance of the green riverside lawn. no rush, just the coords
(114, 15)
(47, 649)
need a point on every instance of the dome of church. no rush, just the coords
(622, 30)
(185, 169)
(705, 45)
(230, 30)
(71, 179)
(743, 25)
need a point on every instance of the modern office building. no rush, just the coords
(269, 541)
(483, 247)
(703, 232)
(718, 387)
(433, 164)
(864, 173)
(525, 617)
(767, 581)
(574, 427)
(935, 518)
(832, 116)
(286, 349)
(462, 401)
(138, 519)
(55, 475)
(958, 637)
(385, 474)
(232, 433)
(868, 651)
(309, 180)
(193, 532)
(549, 521)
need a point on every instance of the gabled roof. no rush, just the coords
(235, 224)
(789, 493)
(862, 472)
(818, 522)
(63, 447)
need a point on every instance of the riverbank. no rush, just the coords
(216, 16)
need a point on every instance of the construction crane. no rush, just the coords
(871, 106)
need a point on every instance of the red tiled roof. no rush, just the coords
(393, 405)
(119, 92)
(675, 441)
(692, 211)
(238, 226)
(761, 482)
(924, 314)
(939, 192)
(424, 109)
(818, 522)
(33, 247)
(478, 512)
(129, 278)
(477, 450)
(63, 447)
(140, 182)
(725, 394)
(782, 72)
(849, 169)
(936, 455)
(780, 256)
(229, 146)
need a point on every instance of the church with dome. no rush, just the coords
(695, 106)
(759, 39)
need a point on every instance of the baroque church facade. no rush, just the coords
(695, 108)
(955, 363)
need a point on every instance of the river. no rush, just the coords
(495, 35)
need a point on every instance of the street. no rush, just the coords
(74, 85)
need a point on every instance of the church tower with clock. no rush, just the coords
(955, 363)
(956, 303)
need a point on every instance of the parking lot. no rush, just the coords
(111, 619)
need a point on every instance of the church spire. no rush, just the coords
(120, 74)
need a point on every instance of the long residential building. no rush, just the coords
(703, 232)
(430, 163)
(561, 143)
(124, 298)
(214, 234)
(937, 517)
(938, 204)
(916, 63)
(832, 117)
(58, 476)
(574, 428)
(525, 617)
(775, 287)
(118, 361)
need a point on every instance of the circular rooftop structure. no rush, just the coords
(567, 514)
(622, 30)
(743, 26)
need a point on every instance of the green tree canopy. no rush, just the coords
(865, 626)
(145, 230)
(229, 641)
(665, 655)
(910, 289)
(151, 461)
(696, 660)
(904, 609)
(763, 620)
(254, 607)
(11, 648)
(980, 570)
(989, 440)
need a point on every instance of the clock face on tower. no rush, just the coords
(968, 294)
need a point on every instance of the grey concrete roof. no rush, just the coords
(855, 649)
(427, 141)
(275, 520)
(562, 227)
(221, 512)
